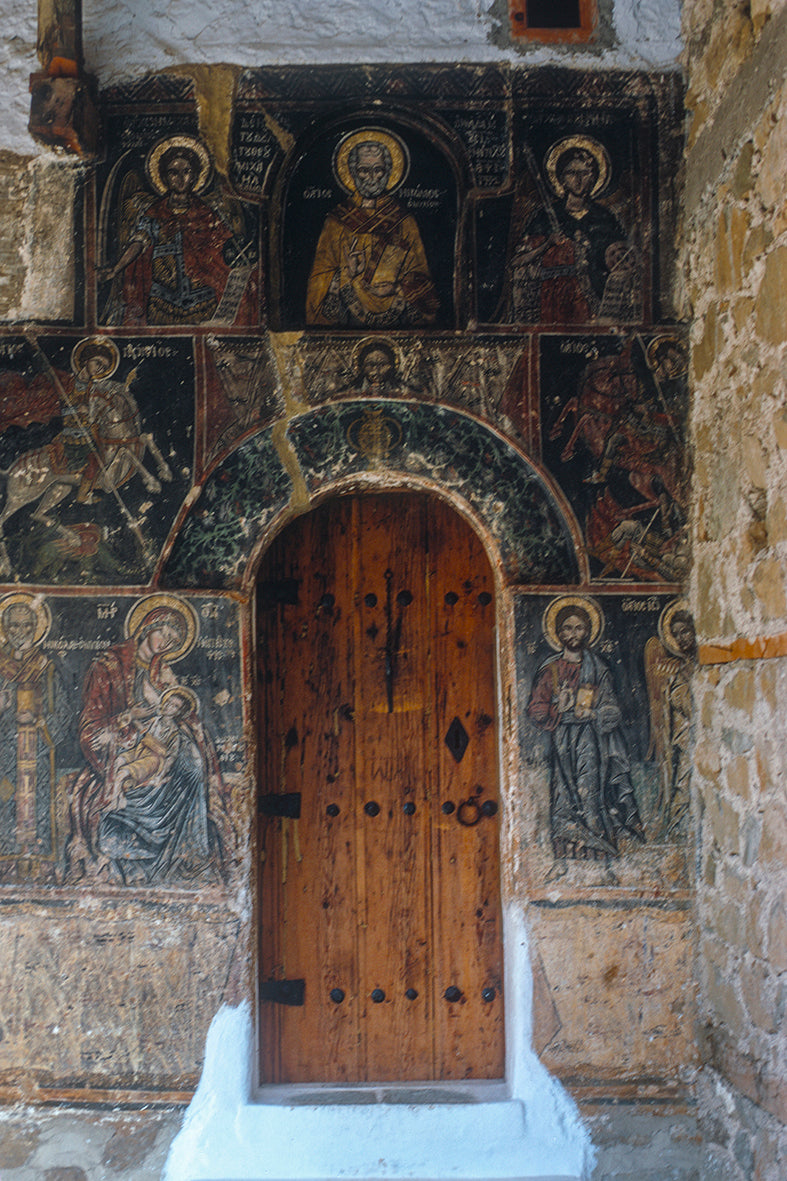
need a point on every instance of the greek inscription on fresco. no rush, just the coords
(254, 147)
(485, 136)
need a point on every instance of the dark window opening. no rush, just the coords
(567, 21)
(553, 14)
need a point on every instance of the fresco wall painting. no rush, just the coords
(448, 279)
(124, 738)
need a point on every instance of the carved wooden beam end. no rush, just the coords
(63, 110)
(64, 114)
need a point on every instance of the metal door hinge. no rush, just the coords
(281, 804)
(283, 992)
(275, 591)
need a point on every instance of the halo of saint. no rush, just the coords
(376, 344)
(101, 347)
(554, 608)
(35, 603)
(400, 157)
(189, 143)
(672, 346)
(151, 606)
(585, 143)
(665, 625)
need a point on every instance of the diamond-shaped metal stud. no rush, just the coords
(456, 739)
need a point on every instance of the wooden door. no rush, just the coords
(380, 928)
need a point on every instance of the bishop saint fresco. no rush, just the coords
(370, 269)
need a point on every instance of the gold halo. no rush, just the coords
(587, 144)
(181, 691)
(400, 157)
(81, 348)
(153, 161)
(37, 605)
(680, 347)
(665, 625)
(369, 344)
(150, 603)
(548, 621)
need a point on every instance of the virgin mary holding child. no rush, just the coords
(141, 809)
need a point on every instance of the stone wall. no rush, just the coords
(735, 250)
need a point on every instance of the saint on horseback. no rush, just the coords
(99, 447)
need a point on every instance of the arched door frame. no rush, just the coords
(282, 471)
(517, 977)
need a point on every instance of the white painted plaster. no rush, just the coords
(127, 38)
(18, 21)
(48, 248)
(650, 29)
(534, 1130)
(123, 37)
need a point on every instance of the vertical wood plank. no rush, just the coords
(467, 915)
(391, 701)
(309, 870)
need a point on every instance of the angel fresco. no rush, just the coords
(572, 262)
(370, 268)
(144, 809)
(99, 447)
(592, 802)
(185, 253)
(670, 658)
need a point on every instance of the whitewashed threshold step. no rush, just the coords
(415, 1132)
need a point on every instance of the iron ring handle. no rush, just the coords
(469, 813)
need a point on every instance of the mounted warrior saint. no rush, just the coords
(99, 448)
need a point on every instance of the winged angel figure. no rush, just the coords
(185, 252)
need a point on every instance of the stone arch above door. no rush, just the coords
(354, 443)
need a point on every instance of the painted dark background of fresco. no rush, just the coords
(465, 128)
(163, 388)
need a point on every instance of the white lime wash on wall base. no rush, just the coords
(528, 1128)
